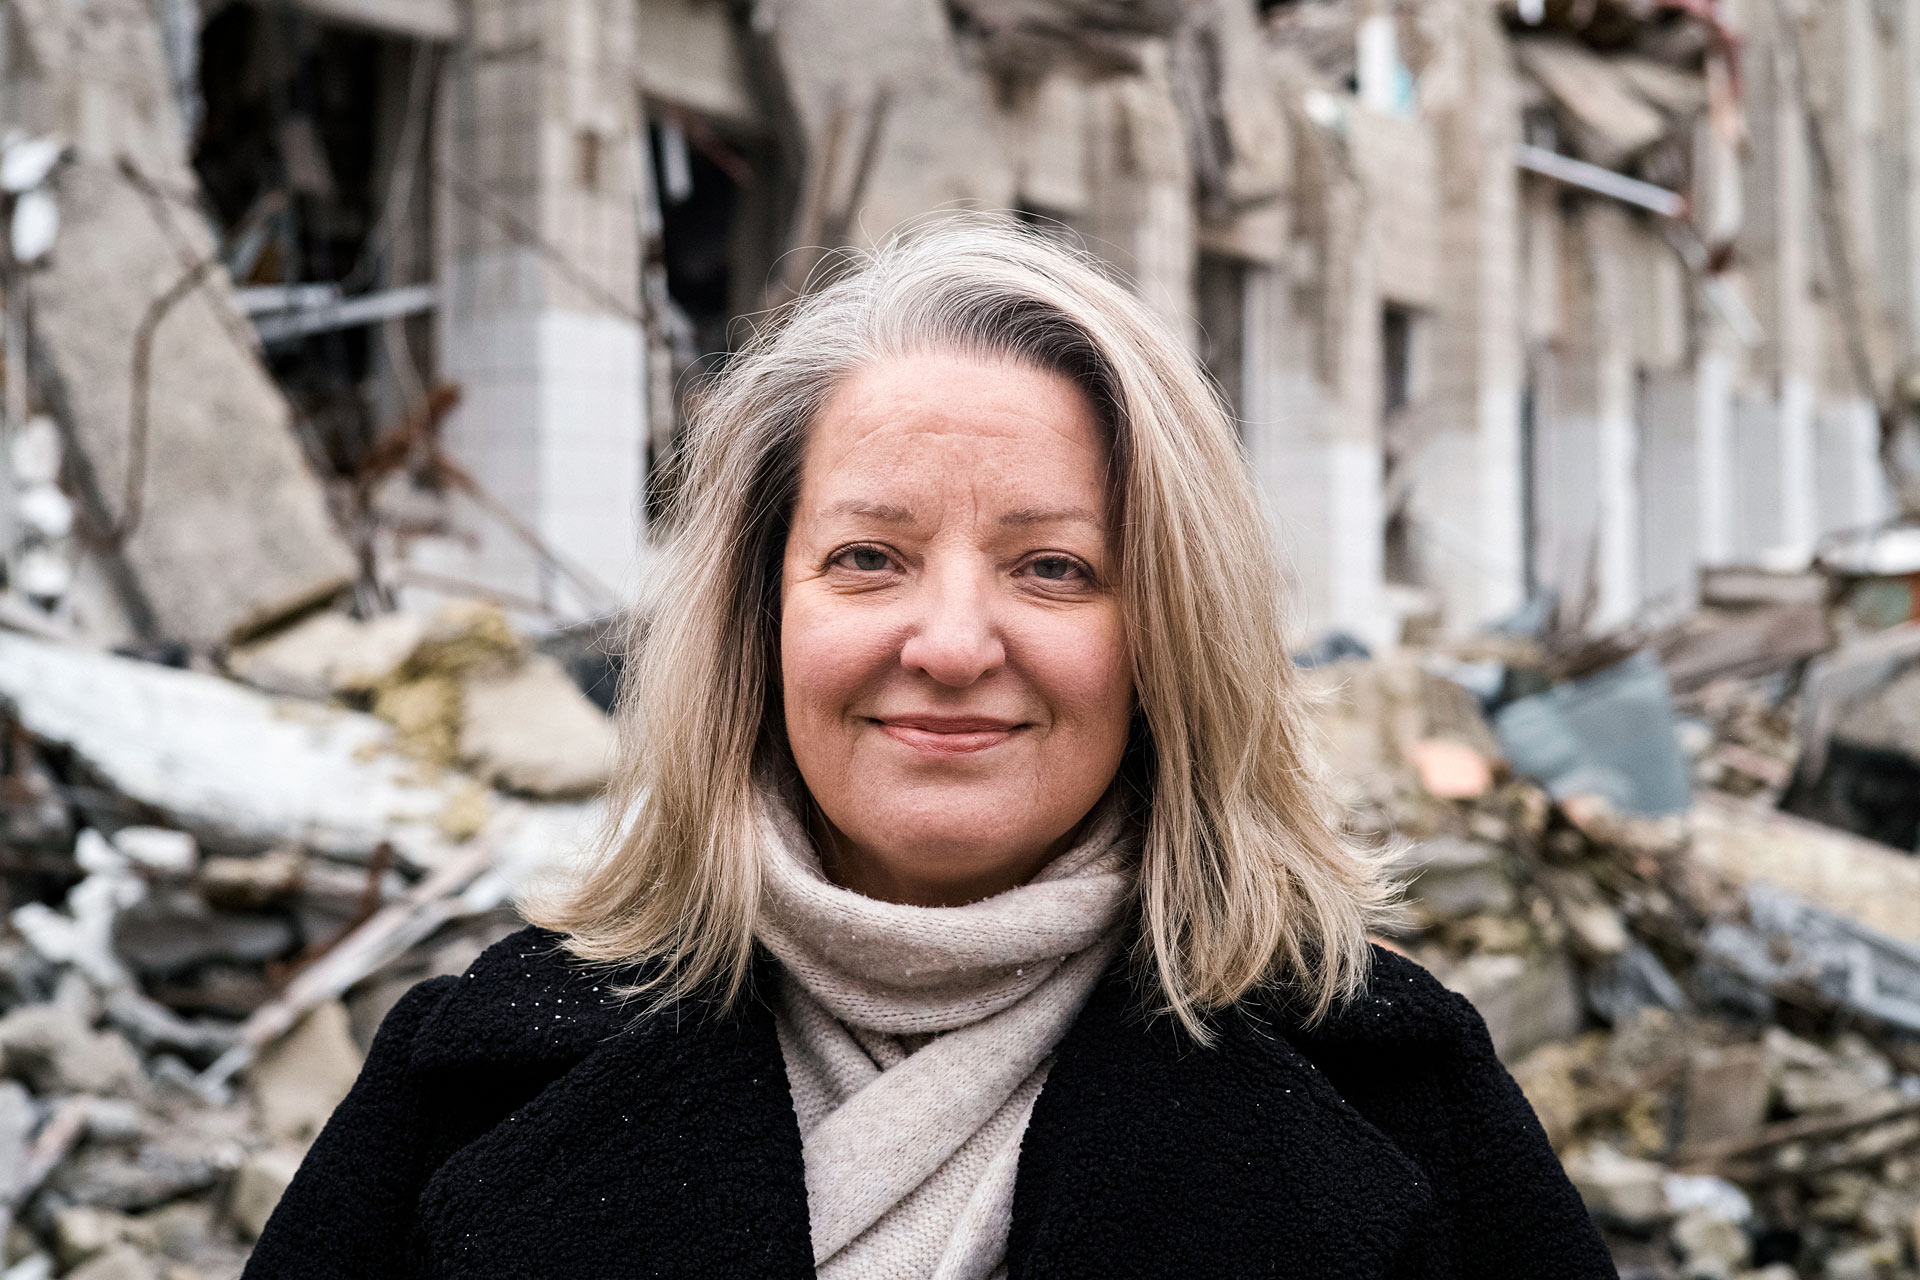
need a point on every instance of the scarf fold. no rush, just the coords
(917, 1038)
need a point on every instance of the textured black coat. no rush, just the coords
(514, 1122)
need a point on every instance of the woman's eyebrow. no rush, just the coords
(1021, 516)
(861, 508)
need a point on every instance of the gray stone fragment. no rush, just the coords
(298, 1081)
(121, 1262)
(155, 1028)
(18, 1117)
(532, 730)
(115, 1121)
(154, 1175)
(1620, 1188)
(53, 1050)
(257, 1187)
(329, 654)
(174, 931)
(1526, 1001)
(1453, 878)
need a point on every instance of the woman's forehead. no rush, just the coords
(905, 435)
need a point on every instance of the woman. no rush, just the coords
(978, 913)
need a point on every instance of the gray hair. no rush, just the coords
(1245, 880)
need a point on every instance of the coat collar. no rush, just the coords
(1146, 1154)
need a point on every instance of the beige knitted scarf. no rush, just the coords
(917, 1038)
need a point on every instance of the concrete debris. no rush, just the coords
(533, 731)
(1453, 878)
(181, 449)
(219, 891)
(1865, 882)
(299, 1080)
(1600, 101)
(1619, 1188)
(241, 771)
(26, 161)
(34, 227)
(330, 655)
(121, 1262)
(1715, 1012)
(257, 1187)
(53, 1049)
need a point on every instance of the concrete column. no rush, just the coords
(1909, 302)
(1713, 457)
(1617, 445)
(1320, 480)
(1756, 475)
(1468, 495)
(539, 123)
(1853, 488)
(1797, 334)
(1668, 482)
(1799, 477)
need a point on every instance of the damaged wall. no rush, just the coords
(189, 479)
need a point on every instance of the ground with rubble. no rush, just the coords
(218, 880)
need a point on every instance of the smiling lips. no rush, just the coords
(948, 735)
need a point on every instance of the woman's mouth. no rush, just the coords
(947, 735)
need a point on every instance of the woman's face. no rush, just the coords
(954, 664)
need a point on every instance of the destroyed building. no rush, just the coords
(1569, 296)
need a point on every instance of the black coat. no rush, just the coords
(514, 1122)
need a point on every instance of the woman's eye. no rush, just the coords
(865, 559)
(1057, 569)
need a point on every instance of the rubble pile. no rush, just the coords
(216, 887)
(1713, 1006)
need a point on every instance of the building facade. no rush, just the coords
(1510, 297)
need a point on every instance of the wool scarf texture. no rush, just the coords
(917, 1038)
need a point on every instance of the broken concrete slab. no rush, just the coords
(1452, 878)
(242, 771)
(158, 850)
(81, 1232)
(1526, 1001)
(227, 529)
(1725, 1094)
(52, 1049)
(121, 1262)
(531, 730)
(329, 654)
(1889, 720)
(1610, 119)
(1841, 873)
(171, 932)
(298, 1081)
(1618, 1187)
(258, 1184)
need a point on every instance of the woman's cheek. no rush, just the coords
(827, 654)
(1085, 673)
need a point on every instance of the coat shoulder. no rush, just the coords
(1401, 1003)
(526, 999)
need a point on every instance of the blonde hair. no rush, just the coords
(1244, 878)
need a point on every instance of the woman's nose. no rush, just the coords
(956, 638)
